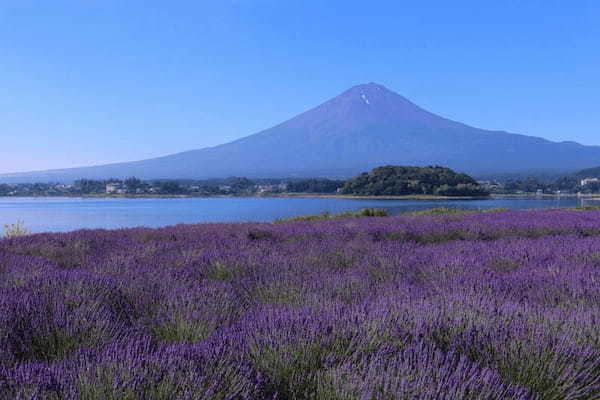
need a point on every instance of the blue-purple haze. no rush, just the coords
(114, 81)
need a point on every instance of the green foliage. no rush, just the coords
(529, 185)
(101, 385)
(178, 330)
(54, 345)
(240, 184)
(132, 184)
(504, 264)
(218, 272)
(461, 189)
(4, 189)
(497, 209)
(88, 186)
(297, 371)
(449, 210)
(365, 212)
(436, 211)
(549, 184)
(260, 234)
(277, 294)
(400, 180)
(170, 187)
(337, 260)
(371, 212)
(65, 254)
(587, 208)
(314, 186)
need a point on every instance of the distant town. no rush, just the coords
(137, 187)
(247, 187)
(582, 182)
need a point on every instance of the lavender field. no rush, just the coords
(501, 305)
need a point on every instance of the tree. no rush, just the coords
(170, 187)
(314, 186)
(87, 186)
(132, 184)
(393, 180)
(4, 189)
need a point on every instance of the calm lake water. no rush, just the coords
(66, 214)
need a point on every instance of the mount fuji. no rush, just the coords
(364, 127)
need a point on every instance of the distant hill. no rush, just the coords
(587, 173)
(393, 180)
(364, 127)
(570, 182)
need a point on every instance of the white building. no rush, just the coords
(589, 180)
(114, 188)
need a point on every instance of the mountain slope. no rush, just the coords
(364, 127)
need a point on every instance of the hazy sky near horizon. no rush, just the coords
(98, 81)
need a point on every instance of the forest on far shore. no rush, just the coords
(387, 180)
(402, 180)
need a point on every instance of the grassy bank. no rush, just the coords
(366, 212)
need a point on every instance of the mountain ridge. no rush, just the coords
(365, 126)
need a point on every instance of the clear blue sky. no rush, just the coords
(96, 81)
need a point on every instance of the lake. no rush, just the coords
(66, 214)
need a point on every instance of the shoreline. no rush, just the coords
(367, 197)
(263, 196)
(529, 196)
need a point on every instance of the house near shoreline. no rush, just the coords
(282, 187)
(114, 188)
(587, 181)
